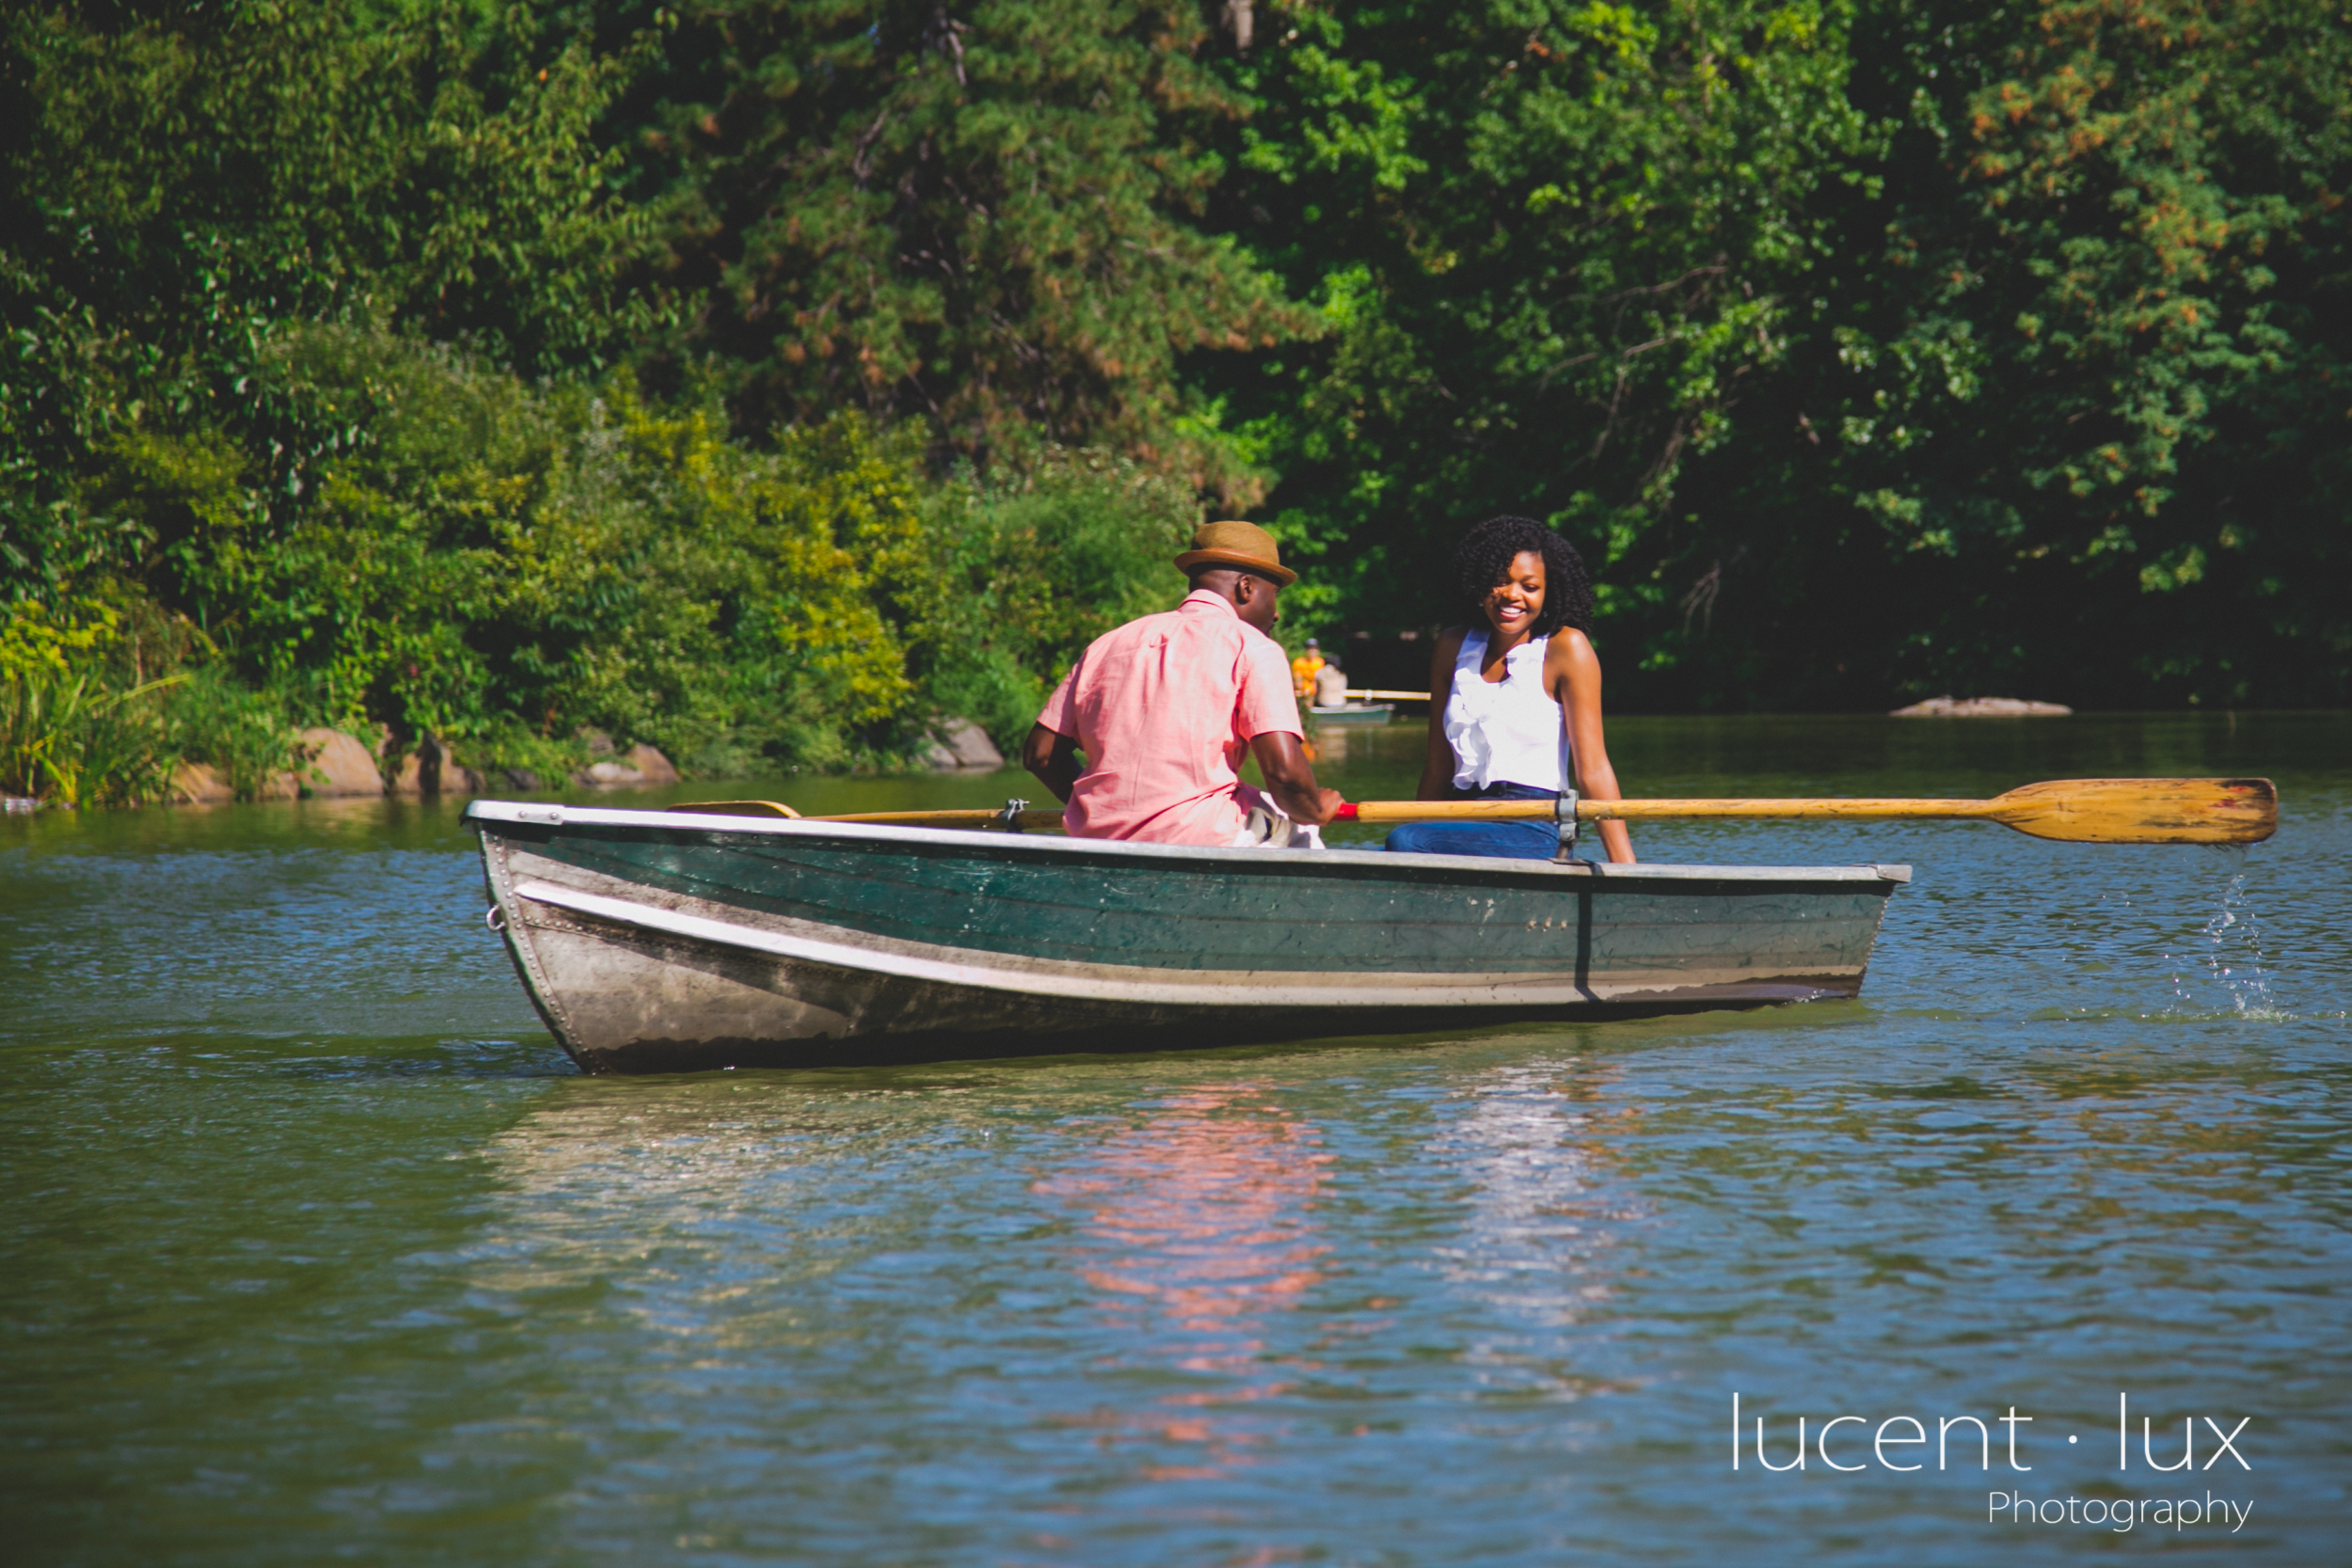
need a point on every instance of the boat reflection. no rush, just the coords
(1197, 1230)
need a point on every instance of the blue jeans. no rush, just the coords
(1524, 841)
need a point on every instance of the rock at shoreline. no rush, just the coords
(1981, 707)
(432, 769)
(652, 765)
(197, 783)
(337, 766)
(961, 743)
(641, 765)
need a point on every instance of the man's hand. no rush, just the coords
(1054, 758)
(1290, 778)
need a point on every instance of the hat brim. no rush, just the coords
(1264, 569)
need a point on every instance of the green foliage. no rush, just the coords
(246, 734)
(1030, 570)
(174, 189)
(1868, 351)
(770, 381)
(1555, 244)
(491, 561)
(66, 732)
(35, 640)
(978, 215)
(508, 566)
(2071, 406)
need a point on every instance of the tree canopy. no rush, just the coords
(442, 365)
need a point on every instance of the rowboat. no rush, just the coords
(1353, 713)
(662, 942)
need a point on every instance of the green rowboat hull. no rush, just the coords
(657, 941)
(1353, 713)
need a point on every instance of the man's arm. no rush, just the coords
(1290, 778)
(1054, 758)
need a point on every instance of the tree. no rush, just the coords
(177, 186)
(1558, 245)
(978, 215)
(2067, 416)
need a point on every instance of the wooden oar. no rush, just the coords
(2081, 810)
(1002, 816)
(1387, 696)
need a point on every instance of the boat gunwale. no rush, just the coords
(556, 815)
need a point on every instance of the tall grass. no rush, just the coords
(66, 738)
(95, 713)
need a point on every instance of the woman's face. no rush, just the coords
(1513, 604)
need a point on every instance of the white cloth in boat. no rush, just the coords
(1270, 827)
(1508, 731)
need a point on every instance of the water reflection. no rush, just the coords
(300, 1268)
(1538, 1149)
(1198, 1227)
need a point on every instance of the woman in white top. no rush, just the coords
(1515, 704)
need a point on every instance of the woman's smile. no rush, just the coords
(1513, 604)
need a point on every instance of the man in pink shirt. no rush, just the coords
(1165, 708)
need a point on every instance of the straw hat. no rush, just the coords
(1243, 544)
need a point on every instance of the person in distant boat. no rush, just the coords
(1515, 702)
(1331, 684)
(1165, 708)
(1304, 669)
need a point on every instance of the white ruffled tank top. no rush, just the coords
(1508, 731)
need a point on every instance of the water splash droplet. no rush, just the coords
(2232, 943)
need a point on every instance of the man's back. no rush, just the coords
(1165, 708)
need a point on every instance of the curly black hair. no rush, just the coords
(1487, 551)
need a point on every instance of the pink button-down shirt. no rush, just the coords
(1165, 708)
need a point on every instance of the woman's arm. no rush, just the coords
(1436, 772)
(1573, 672)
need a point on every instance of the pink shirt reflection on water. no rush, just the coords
(1198, 1225)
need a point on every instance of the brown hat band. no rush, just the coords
(1243, 545)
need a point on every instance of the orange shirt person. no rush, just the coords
(1165, 708)
(1304, 669)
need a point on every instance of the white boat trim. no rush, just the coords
(1203, 987)
(543, 814)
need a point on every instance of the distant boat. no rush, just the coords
(664, 942)
(1353, 713)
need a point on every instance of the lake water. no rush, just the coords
(315, 1247)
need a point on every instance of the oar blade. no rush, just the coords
(2143, 810)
